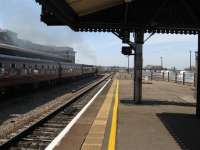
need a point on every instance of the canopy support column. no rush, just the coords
(138, 61)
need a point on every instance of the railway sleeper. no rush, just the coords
(45, 132)
(63, 121)
(69, 111)
(65, 115)
(15, 148)
(57, 125)
(42, 133)
(56, 121)
(48, 129)
(38, 139)
(30, 145)
(23, 144)
(62, 117)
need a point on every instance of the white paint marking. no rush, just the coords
(62, 134)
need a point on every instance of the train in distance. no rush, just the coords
(19, 69)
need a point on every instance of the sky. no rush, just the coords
(93, 48)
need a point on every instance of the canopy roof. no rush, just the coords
(165, 16)
(85, 7)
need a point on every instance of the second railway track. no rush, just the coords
(40, 134)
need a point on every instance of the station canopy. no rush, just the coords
(159, 16)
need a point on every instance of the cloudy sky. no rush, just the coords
(23, 17)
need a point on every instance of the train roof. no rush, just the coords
(17, 51)
(25, 59)
(17, 58)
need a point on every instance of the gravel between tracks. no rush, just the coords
(15, 124)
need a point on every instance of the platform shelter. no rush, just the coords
(123, 17)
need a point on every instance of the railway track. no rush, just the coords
(40, 134)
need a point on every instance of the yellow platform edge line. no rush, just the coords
(113, 131)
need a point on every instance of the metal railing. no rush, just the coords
(171, 76)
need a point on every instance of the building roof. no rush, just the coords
(160, 16)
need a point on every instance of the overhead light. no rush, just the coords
(127, 50)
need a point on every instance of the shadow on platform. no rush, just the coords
(156, 102)
(185, 129)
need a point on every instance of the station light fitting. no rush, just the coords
(127, 50)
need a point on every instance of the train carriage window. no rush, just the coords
(13, 66)
(2, 70)
(24, 66)
(38, 66)
(1, 65)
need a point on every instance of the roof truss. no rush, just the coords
(157, 16)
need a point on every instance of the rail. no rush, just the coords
(48, 126)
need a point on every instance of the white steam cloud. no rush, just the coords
(23, 17)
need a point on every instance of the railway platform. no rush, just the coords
(164, 120)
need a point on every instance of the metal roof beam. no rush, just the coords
(190, 11)
(60, 9)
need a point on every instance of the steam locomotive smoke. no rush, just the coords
(25, 21)
(85, 53)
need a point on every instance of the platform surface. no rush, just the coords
(165, 120)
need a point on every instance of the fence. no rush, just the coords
(177, 77)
